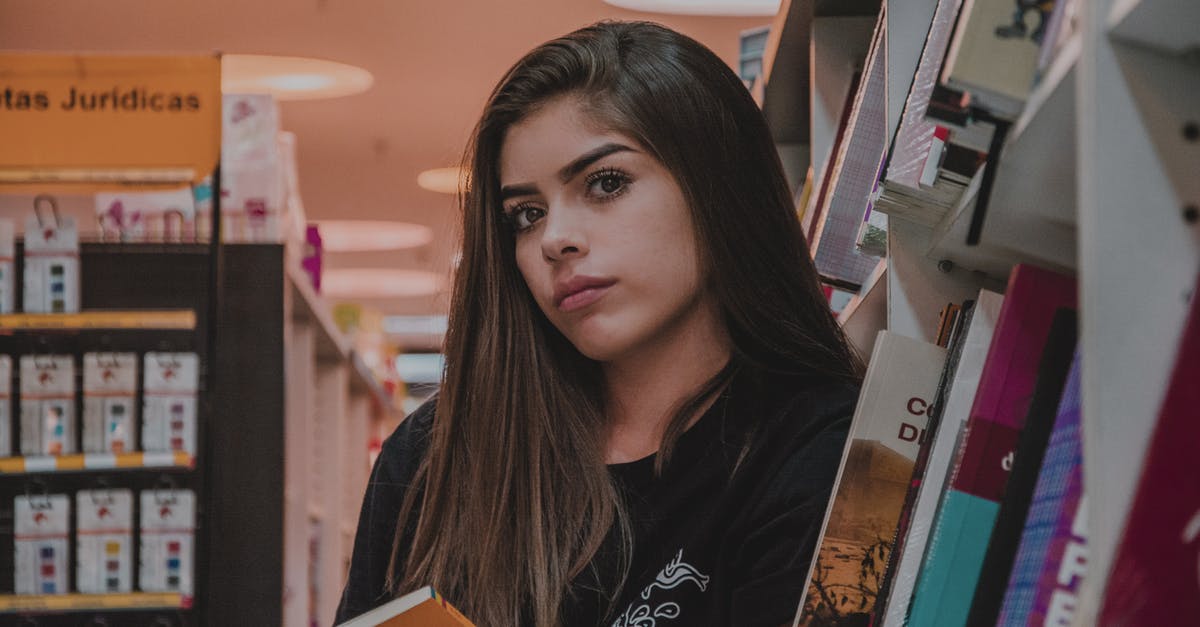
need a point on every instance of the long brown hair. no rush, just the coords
(513, 499)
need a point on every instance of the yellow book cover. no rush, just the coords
(420, 608)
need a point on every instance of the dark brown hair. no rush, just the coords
(514, 497)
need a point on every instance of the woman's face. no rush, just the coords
(604, 238)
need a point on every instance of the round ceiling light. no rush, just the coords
(443, 180)
(291, 78)
(701, 7)
(342, 236)
(365, 283)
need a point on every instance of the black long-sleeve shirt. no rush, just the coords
(713, 544)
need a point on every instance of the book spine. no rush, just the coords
(962, 316)
(1048, 527)
(969, 508)
(1010, 520)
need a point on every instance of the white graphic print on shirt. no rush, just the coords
(674, 574)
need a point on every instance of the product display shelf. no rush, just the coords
(1096, 180)
(164, 309)
(14, 603)
(180, 320)
(143, 460)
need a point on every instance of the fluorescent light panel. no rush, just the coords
(291, 78)
(367, 283)
(371, 235)
(701, 7)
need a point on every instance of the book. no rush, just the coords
(855, 170)
(965, 518)
(1052, 555)
(1154, 579)
(942, 438)
(915, 137)
(952, 325)
(811, 215)
(419, 608)
(1027, 463)
(876, 465)
(948, 323)
(993, 54)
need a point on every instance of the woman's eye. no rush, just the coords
(608, 183)
(524, 216)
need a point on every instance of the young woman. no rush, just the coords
(646, 396)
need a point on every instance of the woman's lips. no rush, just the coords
(582, 298)
(580, 291)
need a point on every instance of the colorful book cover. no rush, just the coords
(877, 464)
(966, 516)
(1154, 579)
(420, 608)
(943, 443)
(1027, 463)
(1052, 555)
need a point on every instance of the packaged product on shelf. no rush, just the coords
(168, 527)
(51, 261)
(169, 410)
(157, 216)
(41, 529)
(8, 288)
(253, 185)
(313, 253)
(47, 404)
(104, 541)
(109, 399)
(5, 406)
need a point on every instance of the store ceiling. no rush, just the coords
(434, 65)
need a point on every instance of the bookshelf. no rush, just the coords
(1096, 180)
(1137, 254)
(333, 406)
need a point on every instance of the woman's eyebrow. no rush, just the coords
(569, 171)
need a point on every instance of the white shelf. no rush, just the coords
(866, 314)
(362, 380)
(1172, 26)
(1031, 216)
(331, 342)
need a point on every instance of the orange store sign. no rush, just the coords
(103, 120)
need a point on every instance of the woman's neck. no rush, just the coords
(646, 388)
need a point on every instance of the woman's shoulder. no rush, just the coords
(803, 439)
(806, 405)
(402, 451)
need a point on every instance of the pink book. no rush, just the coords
(1154, 578)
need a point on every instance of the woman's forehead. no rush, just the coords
(552, 137)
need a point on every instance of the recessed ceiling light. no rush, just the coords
(341, 236)
(701, 7)
(444, 180)
(351, 283)
(291, 78)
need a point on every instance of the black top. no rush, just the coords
(715, 542)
